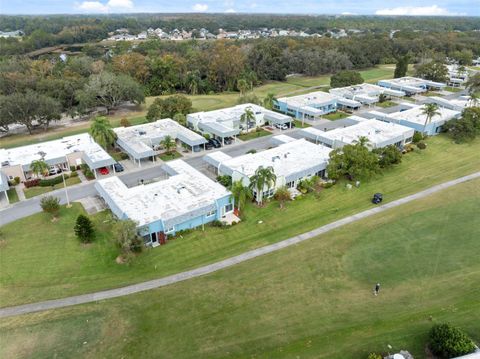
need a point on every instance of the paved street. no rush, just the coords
(207, 269)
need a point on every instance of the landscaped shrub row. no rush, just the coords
(31, 183)
(52, 181)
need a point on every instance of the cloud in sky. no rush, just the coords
(230, 11)
(200, 7)
(110, 6)
(433, 10)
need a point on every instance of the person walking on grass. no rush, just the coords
(376, 289)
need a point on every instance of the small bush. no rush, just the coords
(89, 174)
(327, 184)
(417, 137)
(408, 148)
(74, 174)
(124, 122)
(73, 168)
(84, 229)
(225, 181)
(16, 180)
(52, 181)
(374, 356)
(446, 341)
(251, 151)
(421, 145)
(217, 223)
(32, 183)
(50, 205)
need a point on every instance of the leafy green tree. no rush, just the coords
(433, 71)
(346, 78)
(180, 118)
(267, 60)
(401, 67)
(50, 205)
(84, 229)
(109, 90)
(463, 57)
(466, 128)
(430, 110)
(473, 84)
(27, 109)
(168, 143)
(225, 180)
(388, 156)
(102, 132)
(282, 195)
(126, 237)
(353, 161)
(39, 167)
(446, 341)
(247, 117)
(268, 101)
(263, 180)
(169, 107)
(241, 194)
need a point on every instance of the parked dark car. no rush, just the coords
(228, 140)
(377, 198)
(215, 143)
(118, 167)
(208, 146)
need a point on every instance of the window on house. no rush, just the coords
(228, 208)
(290, 184)
(211, 213)
(171, 229)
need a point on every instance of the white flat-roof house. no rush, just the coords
(458, 75)
(378, 133)
(458, 104)
(187, 199)
(366, 94)
(62, 153)
(309, 106)
(411, 85)
(414, 118)
(292, 161)
(143, 141)
(226, 122)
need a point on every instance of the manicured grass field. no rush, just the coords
(12, 195)
(36, 191)
(452, 89)
(336, 115)
(298, 124)
(170, 156)
(69, 268)
(254, 134)
(200, 103)
(386, 104)
(313, 300)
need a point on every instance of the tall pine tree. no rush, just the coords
(84, 229)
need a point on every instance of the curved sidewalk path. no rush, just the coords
(179, 277)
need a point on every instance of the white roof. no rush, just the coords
(185, 192)
(142, 138)
(458, 104)
(53, 150)
(310, 99)
(286, 159)
(365, 93)
(412, 82)
(377, 132)
(415, 115)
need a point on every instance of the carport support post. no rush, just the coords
(223, 141)
(6, 195)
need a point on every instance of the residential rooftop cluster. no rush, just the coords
(203, 34)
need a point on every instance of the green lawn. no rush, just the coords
(12, 195)
(170, 156)
(386, 104)
(254, 134)
(200, 103)
(338, 115)
(36, 191)
(452, 89)
(312, 300)
(298, 124)
(69, 268)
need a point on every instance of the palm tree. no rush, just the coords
(39, 167)
(268, 101)
(102, 132)
(362, 141)
(247, 117)
(167, 143)
(242, 86)
(282, 195)
(193, 80)
(240, 194)
(430, 110)
(264, 178)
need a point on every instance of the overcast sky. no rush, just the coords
(360, 7)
